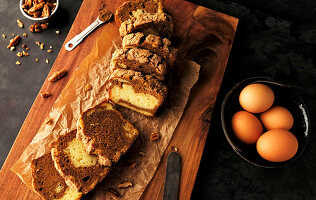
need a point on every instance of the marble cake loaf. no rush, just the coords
(141, 60)
(80, 170)
(106, 133)
(131, 89)
(159, 24)
(155, 44)
(48, 183)
(132, 9)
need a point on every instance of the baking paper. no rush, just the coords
(76, 98)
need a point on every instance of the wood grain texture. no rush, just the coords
(201, 34)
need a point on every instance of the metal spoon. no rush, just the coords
(104, 16)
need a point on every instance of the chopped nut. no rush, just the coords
(19, 54)
(28, 3)
(113, 193)
(50, 47)
(27, 48)
(46, 94)
(23, 45)
(32, 27)
(38, 43)
(14, 41)
(25, 53)
(36, 7)
(24, 35)
(48, 121)
(58, 75)
(36, 14)
(154, 136)
(13, 34)
(174, 149)
(20, 24)
(132, 165)
(87, 87)
(125, 184)
(24, 6)
(46, 11)
(18, 63)
(37, 28)
(44, 26)
(49, 51)
(47, 60)
(12, 48)
(4, 36)
(57, 32)
(36, 59)
(42, 46)
(142, 153)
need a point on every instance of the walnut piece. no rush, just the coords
(46, 11)
(36, 7)
(25, 53)
(20, 24)
(14, 41)
(113, 193)
(24, 35)
(46, 94)
(18, 63)
(87, 87)
(44, 26)
(154, 137)
(19, 54)
(125, 184)
(57, 76)
(132, 165)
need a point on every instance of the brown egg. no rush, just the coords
(246, 127)
(256, 98)
(277, 145)
(277, 117)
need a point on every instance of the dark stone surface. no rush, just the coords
(275, 38)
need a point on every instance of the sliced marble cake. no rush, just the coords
(132, 9)
(80, 170)
(141, 60)
(106, 133)
(141, 93)
(155, 44)
(48, 183)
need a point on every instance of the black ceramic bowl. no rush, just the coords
(284, 96)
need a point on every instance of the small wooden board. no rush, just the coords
(201, 34)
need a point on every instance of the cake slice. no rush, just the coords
(132, 9)
(155, 44)
(141, 60)
(142, 93)
(159, 24)
(80, 170)
(106, 133)
(48, 183)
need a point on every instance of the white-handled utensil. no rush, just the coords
(104, 16)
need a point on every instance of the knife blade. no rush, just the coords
(171, 188)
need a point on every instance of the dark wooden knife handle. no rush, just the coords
(171, 189)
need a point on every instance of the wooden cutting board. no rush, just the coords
(201, 34)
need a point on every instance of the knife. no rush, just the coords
(171, 188)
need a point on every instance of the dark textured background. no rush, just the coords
(275, 38)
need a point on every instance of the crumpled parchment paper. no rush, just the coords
(75, 98)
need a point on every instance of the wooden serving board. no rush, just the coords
(201, 34)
